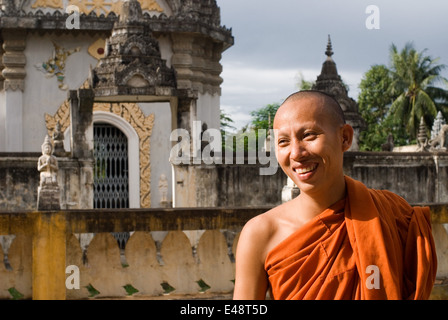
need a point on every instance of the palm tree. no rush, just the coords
(414, 76)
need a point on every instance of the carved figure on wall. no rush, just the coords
(389, 145)
(163, 190)
(47, 164)
(438, 143)
(439, 121)
(55, 66)
(58, 140)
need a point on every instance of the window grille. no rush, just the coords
(111, 185)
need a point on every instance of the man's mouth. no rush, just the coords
(308, 168)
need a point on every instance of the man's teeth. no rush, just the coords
(305, 170)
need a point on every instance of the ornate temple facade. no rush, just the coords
(116, 78)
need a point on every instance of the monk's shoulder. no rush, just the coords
(393, 209)
(393, 201)
(263, 226)
(259, 225)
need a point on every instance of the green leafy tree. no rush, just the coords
(262, 118)
(393, 99)
(414, 87)
(374, 102)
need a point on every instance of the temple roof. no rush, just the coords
(132, 68)
(100, 15)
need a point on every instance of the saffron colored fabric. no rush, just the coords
(370, 245)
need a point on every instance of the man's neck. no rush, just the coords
(315, 203)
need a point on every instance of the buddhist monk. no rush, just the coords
(338, 239)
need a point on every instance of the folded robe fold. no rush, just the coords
(370, 245)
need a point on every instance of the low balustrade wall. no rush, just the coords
(181, 251)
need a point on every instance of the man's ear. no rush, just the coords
(347, 137)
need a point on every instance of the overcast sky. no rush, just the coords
(277, 40)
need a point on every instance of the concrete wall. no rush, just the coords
(36, 248)
(160, 148)
(226, 186)
(19, 180)
(42, 94)
(417, 177)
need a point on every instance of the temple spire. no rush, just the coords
(330, 82)
(329, 51)
(329, 69)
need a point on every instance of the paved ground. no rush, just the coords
(199, 296)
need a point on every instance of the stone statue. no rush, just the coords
(439, 121)
(389, 145)
(438, 143)
(163, 190)
(47, 164)
(48, 194)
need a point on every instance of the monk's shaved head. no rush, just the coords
(331, 105)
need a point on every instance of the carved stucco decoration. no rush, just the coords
(48, 3)
(142, 124)
(97, 6)
(97, 48)
(55, 65)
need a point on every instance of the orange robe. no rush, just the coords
(370, 245)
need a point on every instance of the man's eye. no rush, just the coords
(309, 135)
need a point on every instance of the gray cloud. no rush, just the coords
(290, 36)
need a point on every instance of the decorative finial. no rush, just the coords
(422, 136)
(437, 125)
(131, 12)
(329, 51)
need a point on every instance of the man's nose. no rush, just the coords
(298, 150)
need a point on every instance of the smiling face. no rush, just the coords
(310, 140)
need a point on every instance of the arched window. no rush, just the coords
(111, 168)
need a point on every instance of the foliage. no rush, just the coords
(15, 294)
(374, 103)
(263, 118)
(92, 291)
(203, 285)
(414, 76)
(130, 290)
(226, 124)
(303, 84)
(392, 99)
(246, 139)
(167, 288)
